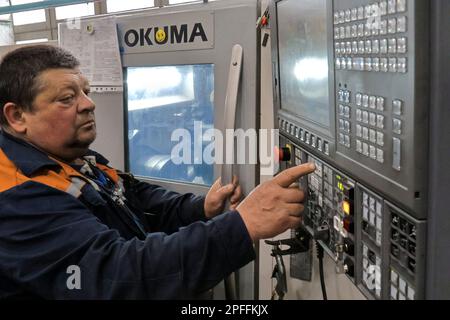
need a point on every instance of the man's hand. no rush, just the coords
(218, 195)
(274, 206)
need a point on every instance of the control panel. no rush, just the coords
(378, 246)
(379, 115)
(370, 203)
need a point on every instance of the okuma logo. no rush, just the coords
(172, 34)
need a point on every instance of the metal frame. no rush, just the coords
(39, 5)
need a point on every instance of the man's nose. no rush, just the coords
(86, 103)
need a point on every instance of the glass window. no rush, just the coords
(28, 17)
(32, 41)
(171, 103)
(75, 10)
(180, 1)
(121, 5)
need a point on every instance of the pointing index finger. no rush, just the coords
(289, 176)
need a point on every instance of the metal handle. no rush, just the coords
(226, 174)
(234, 77)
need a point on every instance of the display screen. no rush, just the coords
(303, 59)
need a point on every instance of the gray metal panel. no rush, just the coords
(411, 88)
(438, 258)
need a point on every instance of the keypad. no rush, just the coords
(400, 288)
(344, 98)
(318, 143)
(372, 217)
(371, 271)
(366, 35)
(403, 242)
(370, 126)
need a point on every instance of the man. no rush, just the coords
(73, 228)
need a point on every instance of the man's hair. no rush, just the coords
(20, 69)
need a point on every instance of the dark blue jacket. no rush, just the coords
(44, 232)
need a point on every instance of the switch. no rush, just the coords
(349, 247)
(349, 267)
(284, 154)
(349, 224)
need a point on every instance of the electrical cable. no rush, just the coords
(322, 277)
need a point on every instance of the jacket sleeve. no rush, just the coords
(168, 211)
(46, 234)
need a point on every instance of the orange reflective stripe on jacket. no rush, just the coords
(66, 179)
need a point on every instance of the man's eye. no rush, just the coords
(66, 100)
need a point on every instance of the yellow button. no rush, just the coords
(346, 207)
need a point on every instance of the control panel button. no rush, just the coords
(358, 99)
(380, 155)
(392, 46)
(358, 131)
(380, 138)
(372, 119)
(383, 46)
(397, 153)
(402, 24)
(380, 121)
(402, 46)
(402, 65)
(372, 102)
(365, 133)
(326, 148)
(358, 115)
(397, 107)
(401, 6)
(365, 101)
(373, 136)
(380, 103)
(365, 117)
(397, 126)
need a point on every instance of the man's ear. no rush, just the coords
(15, 116)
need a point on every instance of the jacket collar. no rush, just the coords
(28, 158)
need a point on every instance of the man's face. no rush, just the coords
(62, 122)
